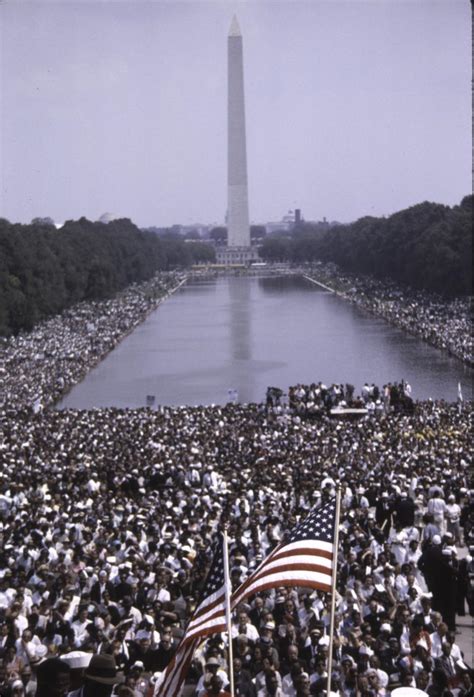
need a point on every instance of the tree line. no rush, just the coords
(427, 246)
(44, 270)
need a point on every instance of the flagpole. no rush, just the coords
(333, 586)
(228, 592)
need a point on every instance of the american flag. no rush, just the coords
(208, 618)
(305, 558)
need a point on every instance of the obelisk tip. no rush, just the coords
(234, 27)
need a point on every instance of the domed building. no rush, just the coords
(107, 218)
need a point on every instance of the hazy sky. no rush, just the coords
(353, 107)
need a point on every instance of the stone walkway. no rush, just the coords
(465, 637)
(465, 626)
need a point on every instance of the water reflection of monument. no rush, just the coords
(240, 290)
(238, 250)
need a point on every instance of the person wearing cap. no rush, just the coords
(100, 677)
(78, 661)
(136, 676)
(17, 689)
(348, 675)
(52, 678)
(374, 686)
(211, 669)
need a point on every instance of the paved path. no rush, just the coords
(465, 626)
(465, 637)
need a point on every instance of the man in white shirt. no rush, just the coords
(437, 639)
(79, 626)
(437, 508)
(244, 626)
(211, 669)
(453, 516)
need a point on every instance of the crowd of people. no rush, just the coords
(107, 518)
(311, 401)
(38, 367)
(443, 323)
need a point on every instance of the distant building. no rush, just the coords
(286, 224)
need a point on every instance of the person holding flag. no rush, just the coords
(210, 617)
(306, 558)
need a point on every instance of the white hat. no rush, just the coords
(365, 650)
(39, 654)
(408, 692)
(77, 659)
(142, 634)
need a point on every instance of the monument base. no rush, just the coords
(236, 255)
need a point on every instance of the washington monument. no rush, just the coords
(238, 248)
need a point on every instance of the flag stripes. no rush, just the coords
(208, 618)
(305, 558)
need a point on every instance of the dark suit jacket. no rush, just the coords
(97, 594)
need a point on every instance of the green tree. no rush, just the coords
(218, 235)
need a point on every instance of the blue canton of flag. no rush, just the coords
(208, 618)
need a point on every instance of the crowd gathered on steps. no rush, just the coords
(441, 322)
(38, 367)
(107, 518)
(311, 401)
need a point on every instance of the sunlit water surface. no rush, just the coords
(248, 333)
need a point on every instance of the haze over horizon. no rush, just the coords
(353, 108)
